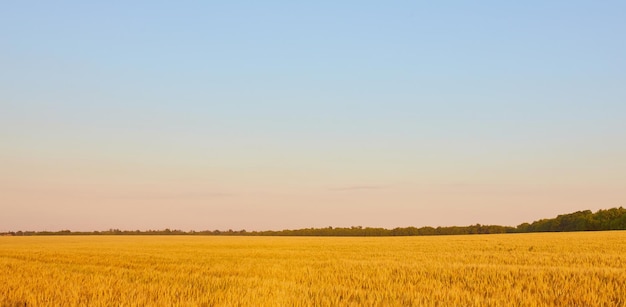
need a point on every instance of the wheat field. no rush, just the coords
(548, 269)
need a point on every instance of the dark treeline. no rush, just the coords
(610, 219)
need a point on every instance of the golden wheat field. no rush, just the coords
(562, 269)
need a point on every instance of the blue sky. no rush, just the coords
(261, 100)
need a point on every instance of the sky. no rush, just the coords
(262, 115)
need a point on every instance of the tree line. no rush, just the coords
(609, 219)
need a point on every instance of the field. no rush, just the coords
(564, 269)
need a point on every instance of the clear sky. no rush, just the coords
(281, 114)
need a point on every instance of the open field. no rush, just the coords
(583, 269)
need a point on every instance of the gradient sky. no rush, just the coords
(274, 114)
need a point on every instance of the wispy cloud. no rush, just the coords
(358, 187)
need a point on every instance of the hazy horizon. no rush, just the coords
(280, 115)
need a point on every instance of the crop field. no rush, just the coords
(551, 269)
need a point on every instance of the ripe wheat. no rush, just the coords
(550, 269)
